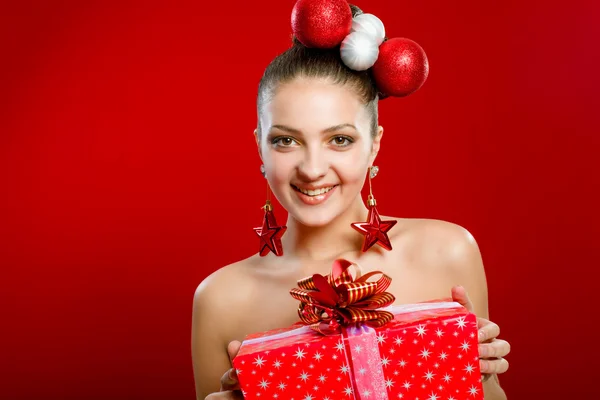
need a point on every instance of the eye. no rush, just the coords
(342, 141)
(283, 141)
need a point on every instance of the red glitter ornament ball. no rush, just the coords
(321, 23)
(401, 68)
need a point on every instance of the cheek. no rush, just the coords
(279, 166)
(351, 167)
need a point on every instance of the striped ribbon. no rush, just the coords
(327, 303)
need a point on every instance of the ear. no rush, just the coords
(257, 139)
(376, 144)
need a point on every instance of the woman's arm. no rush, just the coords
(468, 268)
(209, 352)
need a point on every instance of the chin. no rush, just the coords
(312, 218)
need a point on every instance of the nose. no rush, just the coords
(313, 165)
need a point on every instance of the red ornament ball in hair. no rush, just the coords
(401, 67)
(321, 23)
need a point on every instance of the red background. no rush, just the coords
(128, 173)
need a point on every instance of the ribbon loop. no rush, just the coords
(340, 299)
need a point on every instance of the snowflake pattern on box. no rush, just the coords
(427, 355)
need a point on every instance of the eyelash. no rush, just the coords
(349, 140)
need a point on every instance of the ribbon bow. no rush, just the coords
(327, 303)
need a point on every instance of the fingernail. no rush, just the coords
(482, 365)
(232, 374)
(480, 335)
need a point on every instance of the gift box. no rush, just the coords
(426, 351)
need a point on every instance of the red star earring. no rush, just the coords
(375, 230)
(269, 233)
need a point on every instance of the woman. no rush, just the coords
(317, 137)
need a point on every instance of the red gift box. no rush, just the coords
(427, 352)
(351, 344)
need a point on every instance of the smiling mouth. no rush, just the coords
(316, 192)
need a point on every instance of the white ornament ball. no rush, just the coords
(359, 51)
(370, 24)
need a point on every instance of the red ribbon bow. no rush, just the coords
(327, 303)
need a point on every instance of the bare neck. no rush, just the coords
(325, 242)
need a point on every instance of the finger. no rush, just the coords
(229, 380)
(493, 366)
(488, 331)
(459, 294)
(226, 395)
(496, 349)
(481, 322)
(233, 348)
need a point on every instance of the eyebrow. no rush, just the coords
(328, 130)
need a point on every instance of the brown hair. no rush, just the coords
(301, 61)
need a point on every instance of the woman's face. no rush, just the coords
(316, 147)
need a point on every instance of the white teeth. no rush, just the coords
(315, 192)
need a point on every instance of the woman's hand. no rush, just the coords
(491, 350)
(230, 386)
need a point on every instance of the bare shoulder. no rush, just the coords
(222, 289)
(447, 250)
(442, 240)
